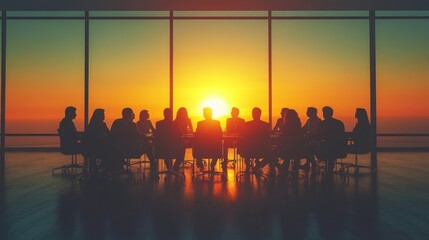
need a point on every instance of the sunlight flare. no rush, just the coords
(218, 106)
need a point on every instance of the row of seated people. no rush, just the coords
(127, 139)
(325, 139)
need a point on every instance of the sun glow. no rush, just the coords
(218, 106)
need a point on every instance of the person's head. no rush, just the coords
(208, 113)
(283, 112)
(361, 116)
(168, 114)
(234, 112)
(328, 112)
(256, 113)
(311, 112)
(292, 118)
(97, 116)
(182, 114)
(70, 112)
(127, 113)
(144, 114)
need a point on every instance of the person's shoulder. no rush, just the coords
(338, 121)
(117, 121)
(265, 124)
(160, 122)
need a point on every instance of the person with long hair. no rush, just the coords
(144, 125)
(183, 121)
(278, 128)
(99, 143)
(361, 133)
(290, 145)
(185, 125)
(292, 140)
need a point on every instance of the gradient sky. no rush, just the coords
(315, 63)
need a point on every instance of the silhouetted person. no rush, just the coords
(99, 142)
(126, 137)
(145, 128)
(168, 141)
(234, 124)
(333, 138)
(311, 129)
(183, 121)
(208, 140)
(144, 125)
(254, 139)
(278, 128)
(290, 145)
(185, 125)
(292, 140)
(69, 137)
(361, 133)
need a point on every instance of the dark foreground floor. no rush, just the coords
(393, 205)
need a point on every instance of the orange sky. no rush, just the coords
(315, 63)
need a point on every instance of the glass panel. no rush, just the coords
(320, 13)
(401, 13)
(45, 13)
(402, 141)
(44, 74)
(402, 76)
(220, 13)
(221, 63)
(33, 141)
(129, 14)
(318, 63)
(129, 66)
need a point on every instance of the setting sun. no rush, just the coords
(218, 106)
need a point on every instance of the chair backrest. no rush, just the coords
(207, 140)
(254, 141)
(167, 141)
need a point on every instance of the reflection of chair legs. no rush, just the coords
(211, 172)
(188, 162)
(356, 166)
(250, 170)
(226, 153)
(73, 166)
(169, 170)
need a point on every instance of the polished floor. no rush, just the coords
(392, 205)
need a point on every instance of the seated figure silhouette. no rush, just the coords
(70, 139)
(333, 139)
(207, 140)
(185, 125)
(311, 129)
(99, 142)
(126, 136)
(291, 140)
(144, 125)
(168, 141)
(290, 144)
(278, 128)
(234, 125)
(254, 139)
(361, 133)
(183, 121)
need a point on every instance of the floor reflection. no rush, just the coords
(320, 208)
